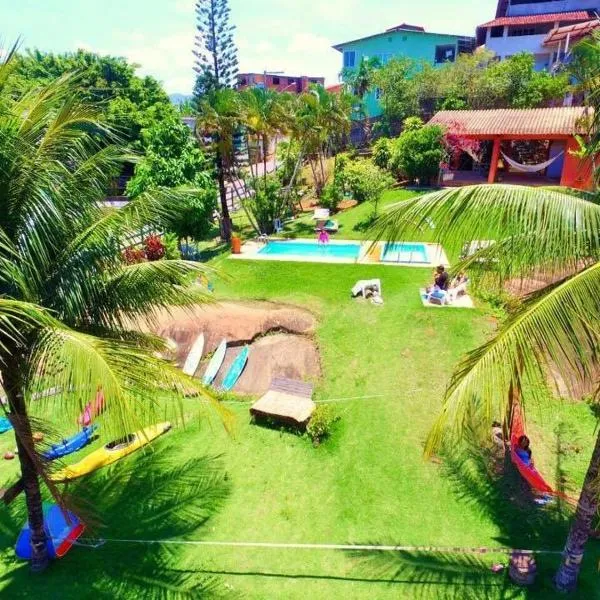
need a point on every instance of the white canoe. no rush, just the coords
(215, 363)
(193, 359)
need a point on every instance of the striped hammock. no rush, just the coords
(530, 168)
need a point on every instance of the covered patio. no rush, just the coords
(545, 136)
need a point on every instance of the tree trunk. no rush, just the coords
(13, 386)
(225, 218)
(566, 577)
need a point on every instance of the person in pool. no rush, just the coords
(523, 451)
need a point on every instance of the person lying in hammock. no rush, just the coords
(523, 451)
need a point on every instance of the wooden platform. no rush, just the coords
(287, 401)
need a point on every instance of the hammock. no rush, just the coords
(528, 472)
(530, 168)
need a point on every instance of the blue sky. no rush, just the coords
(290, 35)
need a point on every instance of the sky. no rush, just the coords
(294, 36)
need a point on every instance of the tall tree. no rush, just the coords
(67, 299)
(536, 232)
(216, 68)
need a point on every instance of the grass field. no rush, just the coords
(367, 484)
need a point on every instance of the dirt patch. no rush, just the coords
(280, 338)
(278, 355)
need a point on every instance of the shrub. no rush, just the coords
(154, 248)
(133, 256)
(321, 422)
(366, 181)
(171, 247)
(418, 153)
(382, 152)
(331, 197)
(267, 203)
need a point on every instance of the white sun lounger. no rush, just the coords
(360, 287)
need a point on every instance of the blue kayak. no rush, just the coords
(72, 444)
(236, 369)
(5, 425)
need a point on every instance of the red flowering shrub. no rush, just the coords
(154, 247)
(133, 256)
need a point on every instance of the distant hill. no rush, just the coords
(178, 99)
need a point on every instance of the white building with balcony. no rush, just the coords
(530, 26)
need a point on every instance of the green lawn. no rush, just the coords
(367, 484)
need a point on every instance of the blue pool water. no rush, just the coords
(405, 253)
(311, 250)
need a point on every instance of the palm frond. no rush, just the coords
(139, 388)
(532, 227)
(559, 326)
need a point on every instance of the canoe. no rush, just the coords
(193, 359)
(215, 363)
(72, 444)
(5, 425)
(236, 369)
(111, 452)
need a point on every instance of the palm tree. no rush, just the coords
(264, 117)
(219, 117)
(536, 230)
(322, 119)
(68, 302)
(361, 81)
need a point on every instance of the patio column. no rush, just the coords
(494, 162)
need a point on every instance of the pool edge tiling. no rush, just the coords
(369, 253)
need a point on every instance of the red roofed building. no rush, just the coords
(525, 25)
(550, 132)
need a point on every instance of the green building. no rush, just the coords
(406, 41)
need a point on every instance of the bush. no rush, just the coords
(382, 152)
(331, 197)
(366, 181)
(418, 153)
(267, 203)
(171, 247)
(154, 248)
(321, 422)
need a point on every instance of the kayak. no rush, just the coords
(193, 359)
(215, 363)
(111, 453)
(5, 425)
(236, 369)
(71, 444)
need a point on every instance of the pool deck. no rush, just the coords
(369, 254)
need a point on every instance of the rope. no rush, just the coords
(298, 546)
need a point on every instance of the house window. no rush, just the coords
(243, 81)
(276, 81)
(378, 93)
(445, 54)
(540, 29)
(291, 81)
(349, 59)
(497, 32)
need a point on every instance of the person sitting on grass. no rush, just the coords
(439, 290)
(523, 451)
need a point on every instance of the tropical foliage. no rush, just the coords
(366, 181)
(553, 331)
(69, 302)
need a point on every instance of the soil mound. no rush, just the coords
(279, 335)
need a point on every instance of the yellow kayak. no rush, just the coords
(111, 452)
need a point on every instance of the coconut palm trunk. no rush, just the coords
(13, 386)
(225, 217)
(587, 508)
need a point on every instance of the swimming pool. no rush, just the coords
(344, 251)
(405, 253)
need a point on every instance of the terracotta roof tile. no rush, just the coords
(533, 121)
(574, 32)
(580, 15)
